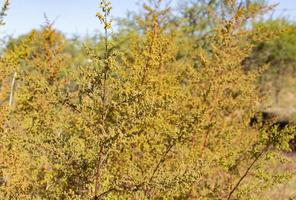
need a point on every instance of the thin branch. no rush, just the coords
(169, 148)
(104, 92)
(3, 11)
(100, 196)
(162, 160)
(247, 172)
(12, 89)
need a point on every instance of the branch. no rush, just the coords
(247, 172)
(100, 196)
(12, 89)
(3, 11)
(162, 160)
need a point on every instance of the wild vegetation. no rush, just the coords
(159, 109)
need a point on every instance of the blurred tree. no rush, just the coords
(279, 53)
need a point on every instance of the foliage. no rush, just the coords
(278, 53)
(145, 123)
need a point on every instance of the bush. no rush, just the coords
(146, 124)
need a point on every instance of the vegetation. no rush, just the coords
(279, 53)
(159, 110)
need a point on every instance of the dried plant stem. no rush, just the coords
(12, 86)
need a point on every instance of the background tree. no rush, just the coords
(279, 54)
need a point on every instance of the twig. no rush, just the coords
(246, 172)
(162, 160)
(12, 89)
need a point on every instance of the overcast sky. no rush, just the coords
(78, 16)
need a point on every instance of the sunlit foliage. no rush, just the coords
(147, 122)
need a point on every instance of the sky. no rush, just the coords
(78, 16)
